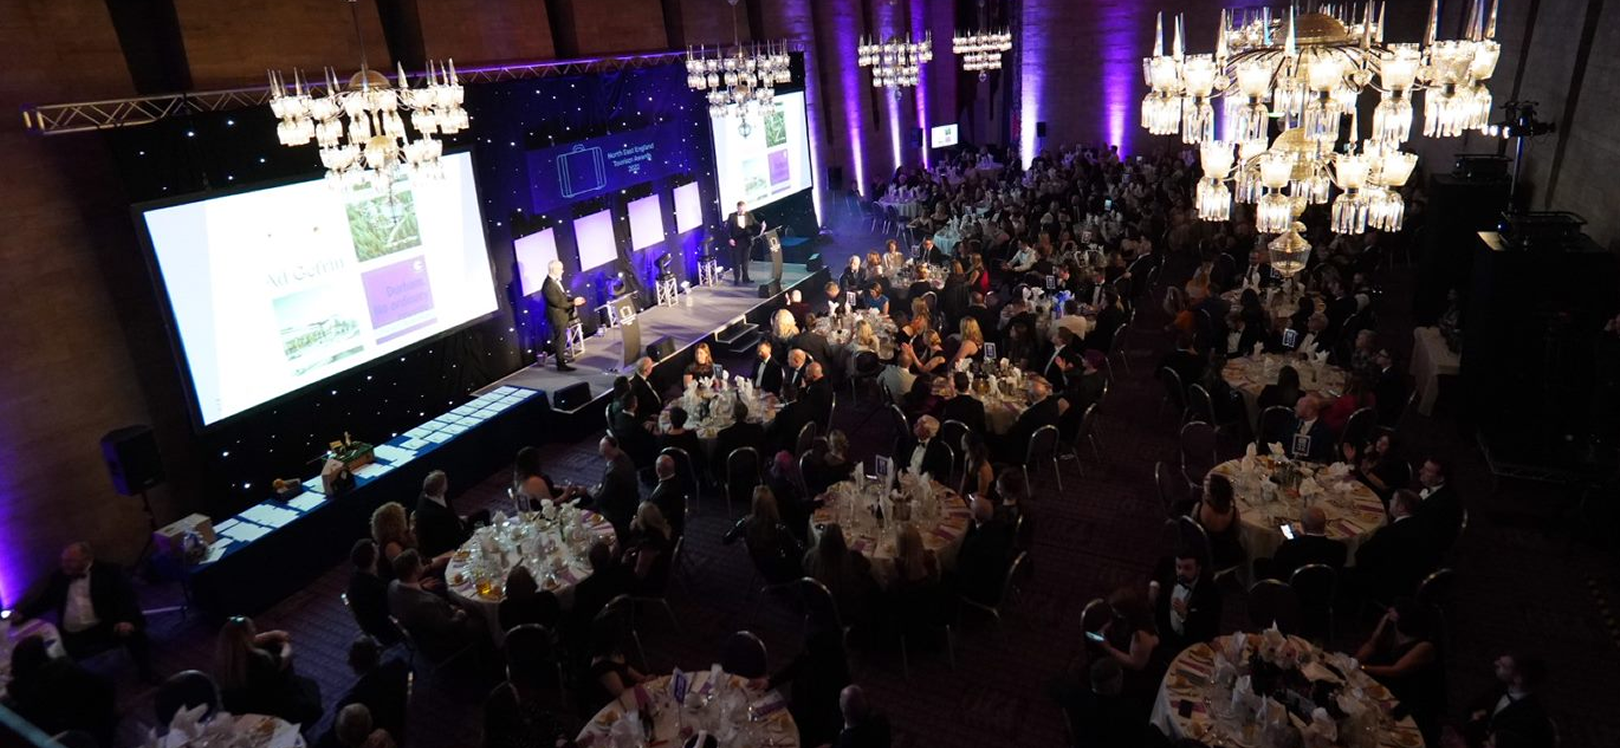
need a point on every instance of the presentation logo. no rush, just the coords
(580, 171)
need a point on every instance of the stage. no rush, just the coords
(699, 316)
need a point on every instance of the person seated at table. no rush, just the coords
(962, 405)
(920, 452)
(1241, 335)
(930, 354)
(1311, 546)
(817, 673)
(874, 298)
(1217, 513)
(832, 302)
(648, 399)
(1013, 500)
(1357, 395)
(1389, 389)
(921, 286)
(608, 580)
(635, 434)
(1131, 637)
(862, 728)
(530, 484)
(56, 695)
(1391, 562)
(817, 393)
(1042, 411)
(391, 531)
(775, 552)
(439, 529)
(1052, 368)
(847, 574)
(1187, 603)
(255, 673)
(898, 376)
(1286, 392)
(785, 327)
(1400, 655)
(1185, 360)
(833, 466)
(368, 592)
(920, 400)
(1110, 315)
(526, 603)
(793, 375)
(438, 627)
(647, 549)
(1019, 343)
(982, 559)
(1376, 465)
(1022, 261)
(1100, 715)
(353, 728)
(969, 341)
(680, 437)
(741, 433)
(854, 276)
(702, 366)
(616, 497)
(767, 373)
(916, 595)
(95, 608)
(609, 675)
(1309, 438)
(978, 473)
(669, 495)
(381, 686)
(1512, 706)
(893, 258)
(1439, 510)
(525, 710)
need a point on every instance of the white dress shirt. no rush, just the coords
(1512, 695)
(80, 613)
(1182, 592)
(917, 454)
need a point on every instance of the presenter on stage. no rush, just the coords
(742, 230)
(559, 311)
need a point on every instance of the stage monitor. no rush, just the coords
(769, 163)
(646, 221)
(593, 236)
(534, 255)
(276, 289)
(942, 136)
(688, 207)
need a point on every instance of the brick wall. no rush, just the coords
(485, 30)
(608, 26)
(232, 44)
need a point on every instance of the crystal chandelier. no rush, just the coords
(360, 127)
(981, 50)
(896, 63)
(741, 81)
(1307, 72)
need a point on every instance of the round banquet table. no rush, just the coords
(1189, 680)
(260, 730)
(906, 208)
(708, 421)
(840, 334)
(1280, 304)
(1353, 510)
(758, 720)
(1001, 407)
(476, 578)
(1250, 374)
(942, 525)
(35, 627)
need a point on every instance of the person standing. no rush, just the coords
(741, 230)
(559, 311)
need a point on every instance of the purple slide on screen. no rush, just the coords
(395, 294)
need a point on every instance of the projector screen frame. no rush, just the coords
(171, 327)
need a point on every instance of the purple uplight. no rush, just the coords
(919, 27)
(845, 42)
(1034, 32)
(1121, 34)
(889, 27)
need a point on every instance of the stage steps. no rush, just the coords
(739, 337)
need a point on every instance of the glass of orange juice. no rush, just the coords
(485, 586)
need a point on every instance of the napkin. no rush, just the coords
(1309, 487)
(498, 518)
(1322, 731)
(187, 722)
(1259, 348)
(1250, 451)
(1321, 357)
(1276, 449)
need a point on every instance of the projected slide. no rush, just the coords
(646, 221)
(534, 254)
(593, 235)
(943, 136)
(276, 289)
(688, 207)
(770, 163)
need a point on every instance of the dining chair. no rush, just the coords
(1271, 602)
(1043, 446)
(1317, 587)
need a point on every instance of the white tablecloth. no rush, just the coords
(558, 573)
(941, 533)
(1431, 359)
(1353, 510)
(906, 208)
(1250, 374)
(1001, 409)
(263, 731)
(672, 724)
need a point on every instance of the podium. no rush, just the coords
(618, 309)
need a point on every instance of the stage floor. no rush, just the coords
(703, 312)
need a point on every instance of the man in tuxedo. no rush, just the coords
(670, 494)
(635, 433)
(793, 377)
(1440, 512)
(829, 303)
(1313, 339)
(438, 627)
(381, 686)
(963, 406)
(1185, 360)
(1389, 391)
(1187, 605)
(1053, 370)
(648, 401)
(921, 286)
(921, 453)
(439, 529)
(1512, 706)
(1397, 556)
(95, 608)
(368, 593)
(741, 433)
(989, 323)
(817, 394)
(617, 496)
(559, 312)
(981, 561)
(1043, 411)
(930, 254)
(1310, 438)
(767, 376)
(1311, 547)
(1109, 318)
(741, 230)
(608, 580)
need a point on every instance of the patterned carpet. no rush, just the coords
(1524, 583)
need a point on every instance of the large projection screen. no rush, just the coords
(276, 289)
(646, 221)
(769, 163)
(593, 236)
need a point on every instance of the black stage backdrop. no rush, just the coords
(211, 153)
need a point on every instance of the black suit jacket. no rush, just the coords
(768, 375)
(619, 493)
(1203, 620)
(438, 529)
(981, 562)
(558, 305)
(817, 396)
(648, 401)
(734, 437)
(1108, 321)
(112, 597)
(1321, 447)
(1525, 716)
(368, 600)
(815, 344)
(744, 234)
(968, 410)
(1440, 515)
(936, 456)
(1395, 559)
(670, 498)
(383, 691)
(1307, 549)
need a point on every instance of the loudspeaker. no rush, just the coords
(813, 262)
(132, 459)
(572, 397)
(661, 349)
(1040, 129)
(767, 290)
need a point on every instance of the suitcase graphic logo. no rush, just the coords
(580, 171)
